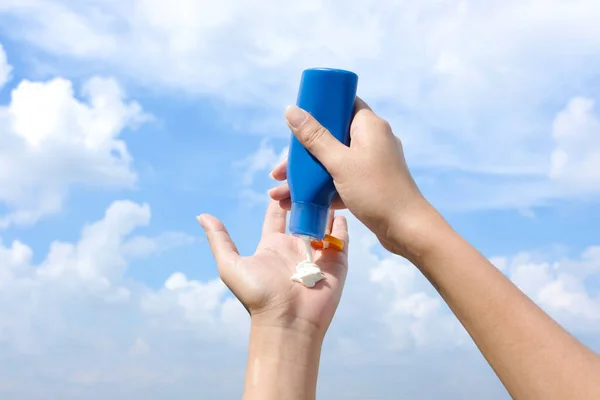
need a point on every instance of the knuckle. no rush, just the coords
(314, 136)
(383, 124)
(399, 143)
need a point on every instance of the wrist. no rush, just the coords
(282, 363)
(287, 345)
(282, 321)
(417, 232)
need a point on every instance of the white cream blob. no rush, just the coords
(307, 272)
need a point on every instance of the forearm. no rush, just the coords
(533, 356)
(282, 364)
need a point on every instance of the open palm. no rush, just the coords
(262, 281)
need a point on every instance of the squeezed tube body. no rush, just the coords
(328, 95)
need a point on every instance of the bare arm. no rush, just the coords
(282, 364)
(534, 357)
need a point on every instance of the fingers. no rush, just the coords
(361, 110)
(361, 105)
(220, 243)
(329, 226)
(364, 124)
(340, 231)
(286, 204)
(315, 138)
(279, 173)
(281, 193)
(274, 219)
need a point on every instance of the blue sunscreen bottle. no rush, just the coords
(328, 95)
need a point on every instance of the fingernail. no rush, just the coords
(271, 175)
(295, 116)
(200, 220)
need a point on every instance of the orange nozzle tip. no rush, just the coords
(317, 244)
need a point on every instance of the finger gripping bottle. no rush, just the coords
(328, 95)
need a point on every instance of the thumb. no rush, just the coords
(315, 138)
(221, 245)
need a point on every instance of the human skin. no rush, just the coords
(534, 357)
(288, 320)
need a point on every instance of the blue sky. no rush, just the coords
(120, 121)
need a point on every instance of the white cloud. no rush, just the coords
(427, 66)
(93, 266)
(466, 86)
(51, 141)
(576, 157)
(559, 287)
(98, 254)
(79, 298)
(387, 298)
(139, 348)
(141, 246)
(262, 160)
(391, 318)
(5, 68)
(413, 313)
(172, 340)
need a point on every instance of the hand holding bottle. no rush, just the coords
(371, 176)
(534, 357)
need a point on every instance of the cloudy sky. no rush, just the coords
(121, 120)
